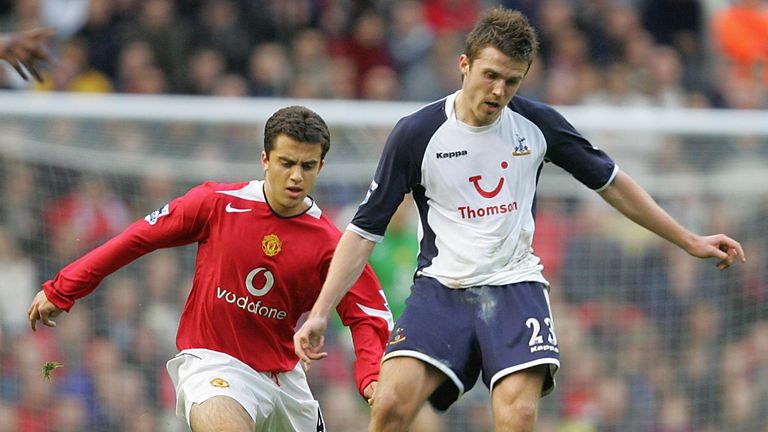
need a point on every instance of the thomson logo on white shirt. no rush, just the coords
(468, 212)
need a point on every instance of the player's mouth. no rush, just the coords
(294, 192)
(491, 106)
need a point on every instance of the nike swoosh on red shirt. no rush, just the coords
(230, 209)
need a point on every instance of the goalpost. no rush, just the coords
(649, 336)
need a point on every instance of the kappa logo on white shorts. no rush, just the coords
(230, 209)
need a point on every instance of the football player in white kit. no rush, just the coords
(479, 302)
(264, 248)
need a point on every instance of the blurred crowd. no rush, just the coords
(629, 52)
(651, 339)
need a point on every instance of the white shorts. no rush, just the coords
(279, 402)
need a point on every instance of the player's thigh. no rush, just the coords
(220, 413)
(296, 408)
(515, 398)
(407, 380)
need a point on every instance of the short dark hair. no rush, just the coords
(506, 30)
(299, 123)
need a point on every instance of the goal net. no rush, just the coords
(650, 338)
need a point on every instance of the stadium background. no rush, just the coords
(652, 340)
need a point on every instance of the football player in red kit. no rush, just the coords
(264, 248)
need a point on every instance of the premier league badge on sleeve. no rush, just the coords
(157, 214)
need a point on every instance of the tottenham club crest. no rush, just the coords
(271, 245)
(521, 148)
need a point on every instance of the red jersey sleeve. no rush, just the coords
(365, 311)
(182, 221)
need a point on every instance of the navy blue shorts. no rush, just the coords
(494, 329)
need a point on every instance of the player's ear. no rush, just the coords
(264, 159)
(464, 64)
(320, 166)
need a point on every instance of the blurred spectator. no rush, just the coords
(135, 57)
(162, 311)
(21, 208)
(675, 415)
(84, 218)
(591, 258)
(343, 76)
(269, 70)
(69, 414)
(101, 34)
(679, 24)
(366, 45)
(410, 39)
(221, 29)
(552, 226)
(436, 77)
(66, 16)
(310, 59)
(25, 14)
(206, 67)
(451, 16)
(8, 421)
(231, 85)
(380, 83)
(740, 31)
(122, 301)
(168, 35)
(666, 78)
(72, 72)
(18, 282)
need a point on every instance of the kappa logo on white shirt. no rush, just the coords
(230, 209)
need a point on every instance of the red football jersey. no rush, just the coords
(256, 274)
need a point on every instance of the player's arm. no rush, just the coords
(82, 276)
(365, 311)
(180, 222)
(27, 49)
(634, 202)
(348, 262)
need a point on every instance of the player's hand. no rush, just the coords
(719, 246)
(370, 392)
(308, 341)
(42, 309)
(26, 48)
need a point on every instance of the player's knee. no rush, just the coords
(520, 416)
(389, 408)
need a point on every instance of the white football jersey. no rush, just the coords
(475, 188)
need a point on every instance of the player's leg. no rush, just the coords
(296, 409)
(431, 354)
(515, 400)
(405, 383)
(216, 392)
(220, 414)
(520, 352)
(428, 420)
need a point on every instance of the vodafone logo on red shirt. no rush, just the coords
(246, 302)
